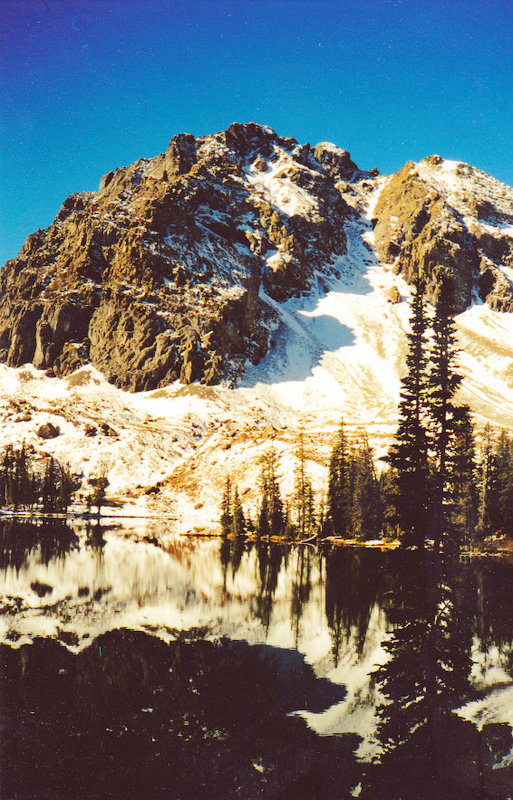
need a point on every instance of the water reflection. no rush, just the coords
(426, 749)
(95, 536)
(307, 559)
(50, 538)
(356, 581)
(133, 717)
(193, 659)
(270, 560)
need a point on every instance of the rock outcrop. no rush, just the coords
(432, 216)
(158, 276)
(172, 270)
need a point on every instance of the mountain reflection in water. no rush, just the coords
(222, 669)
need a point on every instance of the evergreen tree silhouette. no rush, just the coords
(409, 453)
(443, 382)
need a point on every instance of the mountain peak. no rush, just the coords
(176, 269)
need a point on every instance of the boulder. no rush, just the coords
(48, 431)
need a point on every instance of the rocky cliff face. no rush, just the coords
(158, 275)
(442, 214)
(173, 268)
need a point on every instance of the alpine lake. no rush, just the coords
(205, 668)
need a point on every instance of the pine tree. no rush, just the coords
(100, 482)
(303, 498)
(390, 494)
(226, 508)
(300, 484)
(25, 484)
(264, 520)
(464, 520)
(367, 504)
(8, 475)
(49, 493)
(271, 516)
(496, 485)
(338, 520)
(409, 453)
(488, 486)
(312, 523)
(65, 490)
(443, 382)
(504, 460)
(238, 524)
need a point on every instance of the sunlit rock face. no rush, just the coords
(157, 276)
(444, 215)
(178, 266)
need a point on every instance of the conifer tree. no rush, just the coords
(271, 515)
(49, 494)
(19, 484)
(338, 520)
(464, 493)
(367, 504)
(443, 382)
(488, 488)
(496, 485)
(100, 482)
(24, 480)
(238, 524)
(8, 475)
(226, 508)
(409, 453)
(504, 466)
(300, 484)
(264, 520)
(65, 488)
(303, 498)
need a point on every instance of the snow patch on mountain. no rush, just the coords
(336, 353)
(271, 180)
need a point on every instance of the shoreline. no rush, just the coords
(497, 546)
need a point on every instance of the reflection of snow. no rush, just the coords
(357, 712)
(142, 587)
(496, 707)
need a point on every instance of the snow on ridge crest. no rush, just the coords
(462, 183)
(241, 239)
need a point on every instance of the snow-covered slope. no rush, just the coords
(336, 353)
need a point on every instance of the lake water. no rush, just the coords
(216, 669)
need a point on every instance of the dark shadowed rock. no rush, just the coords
(48, 431)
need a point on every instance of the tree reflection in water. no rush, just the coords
(52, 538)
(427, 750)
(230, 553)
(133, 717)
(356, 580)
(130, 715)
(307, 557)
(95, 536)
(442, 613)
(270, 560)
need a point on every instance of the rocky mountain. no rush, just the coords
(251, 286)
(444, 214)
(156, 276)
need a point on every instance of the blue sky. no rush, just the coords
(89, 85)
